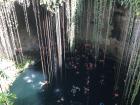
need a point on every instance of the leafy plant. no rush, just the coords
(7, 98)
(135, 4)
(2, 74)
(22, 65)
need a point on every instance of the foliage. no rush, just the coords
(50, 1)
(135, 4)
(2, 74)
(7, 98)
(25, 61)
(52, 5)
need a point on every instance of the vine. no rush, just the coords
(132, 3)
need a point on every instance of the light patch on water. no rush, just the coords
(25, 78)
(29, 81)
(57, 90)
(33, 76)
(28, 84)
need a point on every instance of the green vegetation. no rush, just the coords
(135, 4)
(50, 1)
(2, 74)
(51, 5)
(7, 98)
(24, 64)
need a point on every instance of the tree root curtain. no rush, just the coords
(62, 25)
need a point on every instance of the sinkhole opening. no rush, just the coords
(69, 52)
(84, 79)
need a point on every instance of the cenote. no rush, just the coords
(69, 52)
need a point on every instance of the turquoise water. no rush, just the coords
(27, 87)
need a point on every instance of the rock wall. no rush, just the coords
(29, 42)
(118, 28)
(84, 27)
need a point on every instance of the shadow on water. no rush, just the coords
(92, 86)
(85, 84)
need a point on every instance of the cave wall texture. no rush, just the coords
(84, 26)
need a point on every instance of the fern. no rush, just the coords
(7, 98)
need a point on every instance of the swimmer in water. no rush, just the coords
(44, 85)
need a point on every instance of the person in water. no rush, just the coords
(44, 85)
